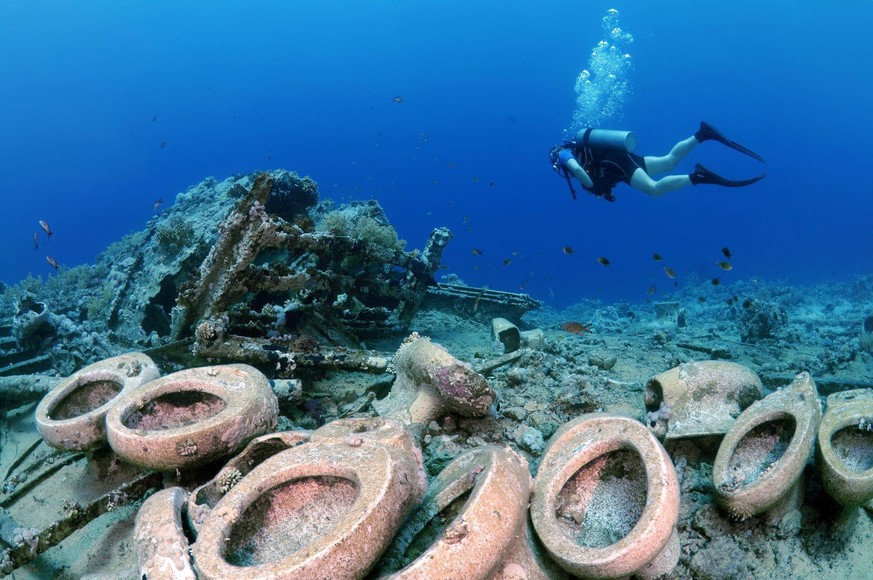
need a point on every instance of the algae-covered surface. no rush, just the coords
(775, 329)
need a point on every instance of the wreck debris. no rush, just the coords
(241, 235)
(267, 276)
(267, 354)
(18, 390)
(25, 544)
(479, 302)
(487, 367)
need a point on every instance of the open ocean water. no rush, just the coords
(108, 107)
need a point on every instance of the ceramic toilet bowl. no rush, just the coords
(319, 510)
(201, 501)
(192, 416)
(606, 498)
(844, 451)
(158, 537)
(763, 455)
(472, 523)
(72, 416)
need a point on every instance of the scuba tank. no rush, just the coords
(585, 140)
(607, 139)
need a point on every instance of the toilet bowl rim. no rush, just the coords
(350, 463)
(237, 401)
(657, 513)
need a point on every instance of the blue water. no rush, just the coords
(91, 91)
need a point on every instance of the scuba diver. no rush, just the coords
(601, 158)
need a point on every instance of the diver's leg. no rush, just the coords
(656, 165)
(641, 180)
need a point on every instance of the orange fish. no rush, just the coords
(35, 241)
(52, 262)
(670, 273)
(46, 228)
(576, 328)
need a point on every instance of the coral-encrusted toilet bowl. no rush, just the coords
(606, 499)
(72, 416)
(471, 524)
(759, 463)
(191, 417)
(159, 538)
(320, 510)
(844, 453)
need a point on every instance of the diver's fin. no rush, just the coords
(709, 133)
(703, 175)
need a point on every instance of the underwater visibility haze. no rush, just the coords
(346, 226)
(445, 113)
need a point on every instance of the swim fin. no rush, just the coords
(709, 133)
(703, 175)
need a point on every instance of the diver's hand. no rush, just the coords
(576, 169)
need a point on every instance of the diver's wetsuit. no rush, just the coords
(607, 167)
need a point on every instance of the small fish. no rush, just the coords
(715, 281)
(35, 241)
(397, 100)
(164, 144)
(651, 289)
(466, 219)
(726, 252)
(490, 184)
(51, 262)
(670, 273)
(476, 252)
(46, 228)
(155, 118)
(507, 261)
(731, 300)
(568, 250)
(157, 204)
(701, 299)
(576, 328)
(726, 266)
(434, 182)
(475, 180)
(657, 257)
(603, 261)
